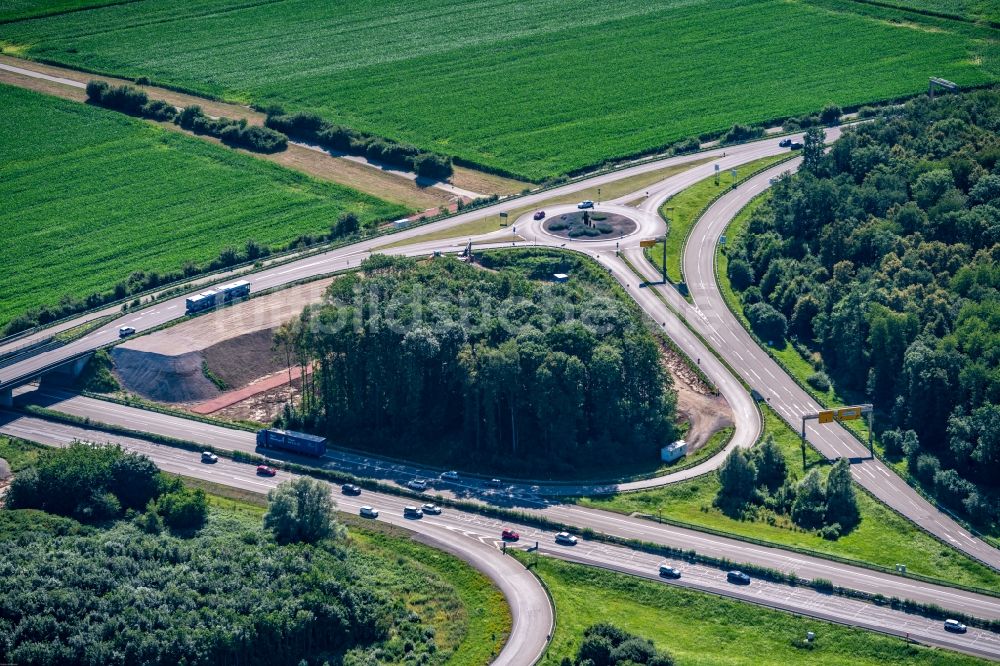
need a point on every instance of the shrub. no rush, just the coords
(830, 115)
(927, 467)
(183, 508)
(688, 145)
(739, 133)
(819, 381)
(301, 510)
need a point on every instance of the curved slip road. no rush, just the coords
(476, 537)
(713, 319)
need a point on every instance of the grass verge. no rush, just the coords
(684, 208)
(883, 538)
(698, 628)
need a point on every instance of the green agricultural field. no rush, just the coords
(975, 10)
(88, 196)
(14, 10)
(883, 537)
(700, 629)
(536, 88)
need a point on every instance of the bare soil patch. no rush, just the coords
(239, 361)
(699, 404)
(263, 407)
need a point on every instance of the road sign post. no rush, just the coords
(851, 413)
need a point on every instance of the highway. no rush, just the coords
(476, 539)
(517, 497)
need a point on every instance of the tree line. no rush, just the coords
(311, 128)
(881, 262)
(232, 132)
(461, 361)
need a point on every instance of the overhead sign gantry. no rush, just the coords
(852, 413)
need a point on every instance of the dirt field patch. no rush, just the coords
(697, 403)
(240, 360)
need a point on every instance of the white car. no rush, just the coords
(431, 509)
(126, 331)
(417, 484)
(566, 539)
(368, 512)
(955, 626)
(451, 475)
(586, 203)
(209, 457)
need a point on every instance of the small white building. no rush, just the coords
(675, 451)
(399, 224)
(560, 277)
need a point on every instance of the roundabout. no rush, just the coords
(589, 225)
(604, 225)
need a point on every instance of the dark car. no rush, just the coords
(785, 143)
(540, 215)
(350, 489)
(738, 577)
(494, 483)
(795, 145)
(412, 512)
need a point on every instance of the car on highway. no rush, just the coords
(431, 509)
(450, 475)
(586, 203)
(784, 143)
(266, 470)
(955, 626)
(412, 512)
(494, 483)
(368, 512)
(795, 145)
(738, 577)
(668, 571)
(539, 215)
(126, 331)
(566, 539)
(350, 489)
(417, 484)
(209, 457)
(509, 535)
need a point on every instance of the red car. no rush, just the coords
(509, 535)
(540, 215)
(264, 470)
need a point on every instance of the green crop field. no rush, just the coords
(535, 88)
(14, 10)
(87, 196)
(974, 10)
(700, 629)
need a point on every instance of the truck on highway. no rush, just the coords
(227, 293)
(288, 440)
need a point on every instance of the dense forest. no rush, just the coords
(131, 592)
(496, 362)
(880, 261)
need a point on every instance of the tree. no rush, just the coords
(809, 506)
(830, 115)
(740, 274)
(596, 649)
(736, 479)
(812, 149)
(301, 510)
(183, 508)
(135, 480)
(767, 322)
(770, 465)
(841, 503)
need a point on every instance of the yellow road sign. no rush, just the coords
(826, 416)
(849, 414)
(647, 243)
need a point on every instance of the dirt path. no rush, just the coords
(262, 385)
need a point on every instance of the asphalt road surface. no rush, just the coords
(478, 489)
(477, 539)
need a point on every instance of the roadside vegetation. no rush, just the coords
(442, 360)
(880, 536)
(700, 629)
(875, 275)
(137, 206)
(131, 589)
(560, 108)
(683, 208)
